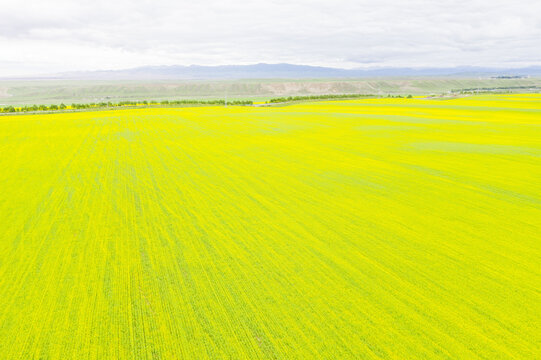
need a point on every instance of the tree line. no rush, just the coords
(328, 97)
(81, 106)
(317, 97)
(76, 106)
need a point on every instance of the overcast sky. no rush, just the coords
(48, 36)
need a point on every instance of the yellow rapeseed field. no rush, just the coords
(365, 229)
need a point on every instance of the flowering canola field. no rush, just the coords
(365, 229)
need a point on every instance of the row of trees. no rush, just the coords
(328, 97)
(12, 109)
(318, 97)
(75, 106)
(399, 96)
(208, 102)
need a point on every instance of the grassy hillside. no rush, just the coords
(364, 229)
(55, 92)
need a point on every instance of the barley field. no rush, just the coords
(365, 229)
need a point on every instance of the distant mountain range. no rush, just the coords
(286, 71)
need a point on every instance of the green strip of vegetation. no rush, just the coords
(327, 97)
(34, 108)
(318, 97)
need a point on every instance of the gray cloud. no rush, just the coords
(62, 35)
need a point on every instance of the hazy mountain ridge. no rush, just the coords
(284, 71)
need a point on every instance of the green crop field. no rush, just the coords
(362, 229)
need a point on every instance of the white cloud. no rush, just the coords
(60, 35)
